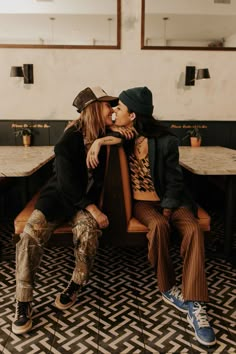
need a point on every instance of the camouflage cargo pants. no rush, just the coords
(30, 248)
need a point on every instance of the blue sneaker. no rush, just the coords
(175, 298)
(197, 317)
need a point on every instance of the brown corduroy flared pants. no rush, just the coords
(194, 283)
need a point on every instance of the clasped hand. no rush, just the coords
(97, 214)
(102, 220)
(92, 156)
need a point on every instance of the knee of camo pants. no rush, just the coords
(85, 237)
(38, 228)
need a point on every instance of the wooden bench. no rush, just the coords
(124, 229)
(23, 216)
(62, 236)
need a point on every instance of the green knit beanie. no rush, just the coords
(138, 100)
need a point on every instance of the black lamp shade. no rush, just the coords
(16, 71)
(27, 72)
(202, 74)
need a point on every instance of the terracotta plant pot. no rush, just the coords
(195, 142)
(26, 140)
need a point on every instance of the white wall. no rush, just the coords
(61, 74)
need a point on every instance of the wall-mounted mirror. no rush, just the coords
(69, 24)
(188, 24)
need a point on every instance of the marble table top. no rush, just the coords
(208, 160)
(19, 161)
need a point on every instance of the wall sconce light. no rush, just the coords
(27, 72)
(203, 74)
(190, 75)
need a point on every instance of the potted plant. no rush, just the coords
(25, 132)
(194, 136)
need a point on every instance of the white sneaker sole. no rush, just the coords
(61, 306)
(22, 330)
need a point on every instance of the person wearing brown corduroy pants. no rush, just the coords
(161, 201)
(194, 284)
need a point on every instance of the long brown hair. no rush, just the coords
(91, 121)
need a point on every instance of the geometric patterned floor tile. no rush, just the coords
(119, 311)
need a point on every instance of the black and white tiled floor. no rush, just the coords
(120, 311)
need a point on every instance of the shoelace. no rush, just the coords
(177, 293)
(22, 309)
(71, 288)
(201, 314)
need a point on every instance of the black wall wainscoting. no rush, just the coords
(44, 132)
(213, 133)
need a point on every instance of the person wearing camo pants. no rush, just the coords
(72, 194)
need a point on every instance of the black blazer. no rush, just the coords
(67, 191)
(166, 172)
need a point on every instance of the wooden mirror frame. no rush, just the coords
(143, 46)
(65, 46)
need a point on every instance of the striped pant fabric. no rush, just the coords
(194, 283)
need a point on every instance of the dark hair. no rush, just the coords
(149, 126)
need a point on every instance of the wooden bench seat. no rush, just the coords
(133, 225)
(22, 217)
(124, 229)
(203, 218)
